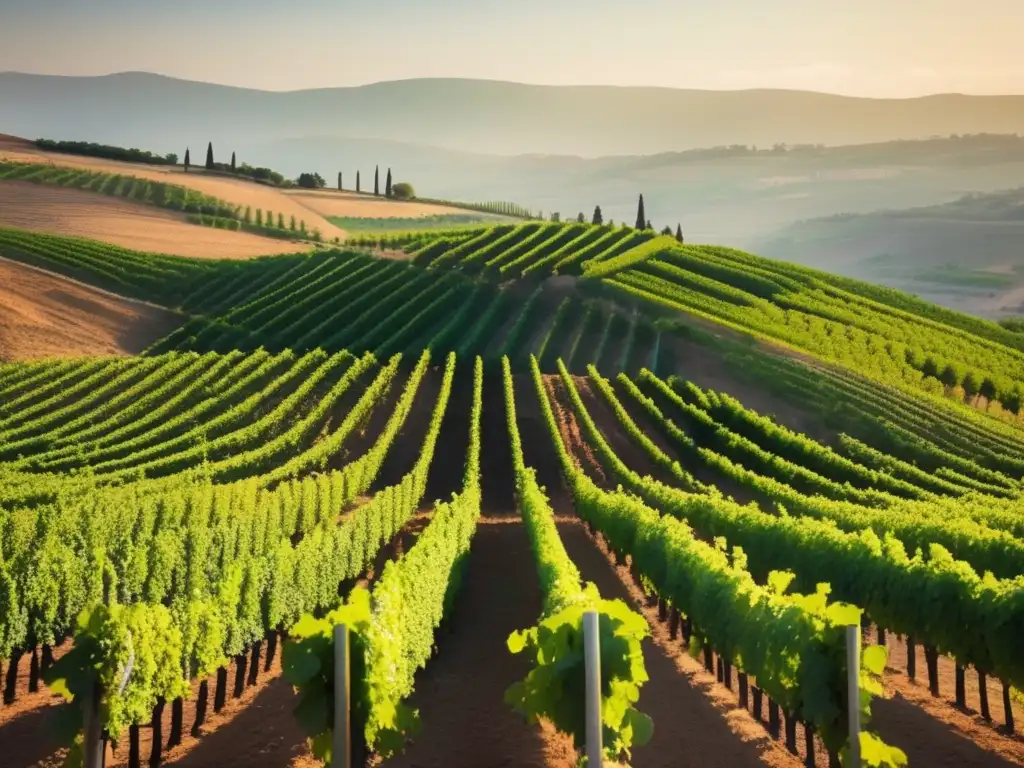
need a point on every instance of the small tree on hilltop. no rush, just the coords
(232, 162)
(679, 232)
(641, 220)
(580, 218)
(357, 181)
(402, 191)
(339, 181)
(387, 185)
(209, 156)
(188, 159)
(311, 181)
(648, 225)
(667, 230)
(376, 181)
(598, 217)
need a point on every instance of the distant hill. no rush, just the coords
(481, 116)
(967, 253)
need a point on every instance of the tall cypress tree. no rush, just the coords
(598, 216)
(387, 185)
(679, 232)
(188, 159)
(357, 181)
(232, 161)
(209, 156)
(339, 181)
(641, 220)
(376, 181)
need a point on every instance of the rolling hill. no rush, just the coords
(480, 116)
(738, 463)
(967, 253)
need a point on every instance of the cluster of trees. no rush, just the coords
(108, 151)
(642, 222)
(265, 175)
(399, 190)
(311, 181)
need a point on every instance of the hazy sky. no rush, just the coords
(867, 48)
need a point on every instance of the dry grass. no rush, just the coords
(235, 191)
(81, 213)
(43, 315)
(350, 205)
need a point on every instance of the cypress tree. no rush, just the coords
(387, 185)
(339, 181)
(679, 232)
(188, 159)
(232, 161)
(598, 216)
(357, 181)
(648, 225)
(641, 220)
(209, 156)
(376, 181)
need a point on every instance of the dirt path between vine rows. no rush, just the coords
(460, 694)
(694, 725)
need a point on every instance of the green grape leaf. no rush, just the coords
(518, 641)
(300, 663)
(873, 659)
(642, 726)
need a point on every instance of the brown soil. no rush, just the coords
(362, 438)
(691, 728)
(82, 213)
(233, 190)
(448, 468)
(705, 367)
(260, 719)
(408, 444)
(43, 315)
(581, 452)
(705, 721)
(461, 692)
(966, 737)
(631, 454)
(365, 206)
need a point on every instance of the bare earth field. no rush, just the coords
(349, 204)
(237, 191)
(126, 223)
(43, 315)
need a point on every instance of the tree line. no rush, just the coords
(642, 222)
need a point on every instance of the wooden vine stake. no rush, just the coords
(341, 747)
(94, 743)
(592, 655)
(853, 691)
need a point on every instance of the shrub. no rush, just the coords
(311, 181)
(403, 191)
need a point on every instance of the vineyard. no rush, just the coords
(456, 442)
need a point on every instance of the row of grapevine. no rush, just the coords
(390, 640)
(793, 645)
(303, 512)
(553, 686)
(870, 570)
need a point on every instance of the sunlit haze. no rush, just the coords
(870, 48)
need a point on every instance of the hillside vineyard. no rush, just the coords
(763, 453)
